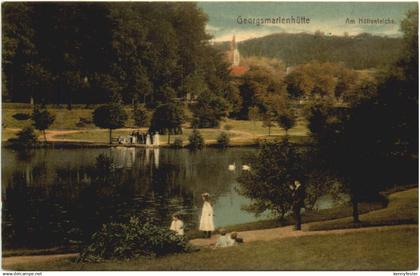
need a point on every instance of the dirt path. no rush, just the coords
(288, 232)
(52, 133)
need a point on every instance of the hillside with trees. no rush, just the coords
(358, 52)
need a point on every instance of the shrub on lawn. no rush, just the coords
(25, 139)
(227, 127)
(196, 140)
(83, 122)
(21, 116)
(131, 240)
(178, 143)
(223, 140)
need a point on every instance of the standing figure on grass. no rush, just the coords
(298, 195)
(206, 220)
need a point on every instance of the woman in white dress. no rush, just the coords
(206, 220)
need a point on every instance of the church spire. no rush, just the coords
(233, 44)
(234, 51)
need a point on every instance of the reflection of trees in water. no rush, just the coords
(49, 202)
(29, 219)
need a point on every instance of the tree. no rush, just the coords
(141, 116)
(273, 172)
(110, 116)
(165, 94)
(196, 140)
(168, 119)
(233, 97)
(209, 111)
(73, 82)
(367, 145)
(25, 139)
(286, 120)
(38, 81)
(145, 47)
(269, 118)
(193, 86)
(253, 114)
(223, 139)
(258, 85)
(42, 120)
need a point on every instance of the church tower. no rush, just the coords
(235, 53)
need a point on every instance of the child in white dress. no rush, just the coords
(206, 220)
(177, 225)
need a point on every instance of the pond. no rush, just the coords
(49, 197)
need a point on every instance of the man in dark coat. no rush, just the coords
(298, 196)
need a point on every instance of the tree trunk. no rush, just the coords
(169, 138)
(355, 210)
(70, 102)
(269, 131)
(45, 136)
(110, 136)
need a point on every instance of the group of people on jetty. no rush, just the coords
(149, 139)
(207, 225)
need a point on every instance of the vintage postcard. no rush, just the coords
(211, 136)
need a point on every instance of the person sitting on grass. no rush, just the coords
(177, 225)
(224, 240)
(236, 238)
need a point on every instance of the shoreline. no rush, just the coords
(85, 144)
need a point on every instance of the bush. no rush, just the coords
(131, 240)
(26, 139)
(22, 116)
(223, 139)
(83, 122)
(227, 127)
(196, 140)
(178, 143)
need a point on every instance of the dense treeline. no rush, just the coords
(357, 52)
(87, 52)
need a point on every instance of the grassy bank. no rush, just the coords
(307, 217)
(402, 209)
(378, 249)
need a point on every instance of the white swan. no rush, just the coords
(246, 168)
(232, 167)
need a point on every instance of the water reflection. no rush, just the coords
(61, 195)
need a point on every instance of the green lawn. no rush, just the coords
(8, 133)
(64, 118)
(402, 209)
(256, 128)
(67, 120)
(391, 249)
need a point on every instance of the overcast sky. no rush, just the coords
(327, 17)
